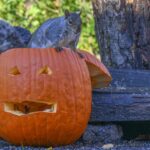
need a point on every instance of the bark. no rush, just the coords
(122, 30)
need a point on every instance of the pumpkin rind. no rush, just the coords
(29, 76)
(100, 76)
(68, 85)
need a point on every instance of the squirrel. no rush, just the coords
(58, 32)
(9, 37)
(24, 34)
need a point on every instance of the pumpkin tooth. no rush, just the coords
(14, 71)
(45, 70)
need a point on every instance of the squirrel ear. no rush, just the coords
(79, 12)
(67, 13)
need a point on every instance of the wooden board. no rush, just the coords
(127, 99)
(130, 78)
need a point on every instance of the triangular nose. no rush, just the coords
(14, 71)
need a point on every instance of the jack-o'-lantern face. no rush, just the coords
(28, 107)
(21, 107)
(45, 96)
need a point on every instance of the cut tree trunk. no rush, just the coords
(123, 32)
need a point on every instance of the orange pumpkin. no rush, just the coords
(45, 96)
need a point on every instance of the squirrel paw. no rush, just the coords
(59, 49)
(80, 55)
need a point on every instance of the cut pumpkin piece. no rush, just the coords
(100, 76)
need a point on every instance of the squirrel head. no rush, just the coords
(73, 21)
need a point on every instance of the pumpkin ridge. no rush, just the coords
(27, 130)
(49, 56)
(46, 119)
(38, 126)
(73, 85)
(44, 62)
(5, 80)
(50, 77)
(85, 89)
(22, 76)
(43, 80)
(36, 75)
(52, 62)
(79, 63)
(27, 83)
(65, 85)
(52, 59)
(29, 74)
(76, 58)
(18, 78)
(31, 51)
(22, 130)
(34, 68)
(6, 63)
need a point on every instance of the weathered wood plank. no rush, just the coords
(130, 78)
(127, 99)
(120, 107)
(123, 90)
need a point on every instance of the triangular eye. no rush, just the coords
(45, 70)
(14, 71)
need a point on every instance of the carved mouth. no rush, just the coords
(28, 107)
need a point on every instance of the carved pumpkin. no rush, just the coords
(45, 96)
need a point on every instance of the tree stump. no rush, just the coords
(122, 30)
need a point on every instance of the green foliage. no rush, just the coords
(31, 13)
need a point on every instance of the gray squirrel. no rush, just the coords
(24, 34)
(58, 32)
(9, 37)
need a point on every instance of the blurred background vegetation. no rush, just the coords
(31, 13)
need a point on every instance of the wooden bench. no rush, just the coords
(126, 99)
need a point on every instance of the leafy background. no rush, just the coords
(31, 13)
